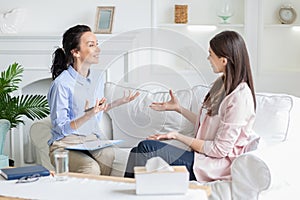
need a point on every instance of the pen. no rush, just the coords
(88, 109)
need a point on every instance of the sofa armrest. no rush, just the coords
(40, 133)
(272, 168)
(250, 176)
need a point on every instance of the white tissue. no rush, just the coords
(158, 164)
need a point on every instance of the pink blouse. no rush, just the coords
(227, 135)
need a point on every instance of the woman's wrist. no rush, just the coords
(179, 109)
(176, 136)
(116, 103)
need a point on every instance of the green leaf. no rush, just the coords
(10, 78)
(14, 108)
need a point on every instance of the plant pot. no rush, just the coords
(4, 162)
(4, 128)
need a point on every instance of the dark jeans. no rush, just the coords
(152, 148)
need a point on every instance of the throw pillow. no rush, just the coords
(273, 116)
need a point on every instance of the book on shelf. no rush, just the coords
(20, 172)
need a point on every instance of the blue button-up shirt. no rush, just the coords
(67, 97)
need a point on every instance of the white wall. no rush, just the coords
(275, 60)
(53, 17)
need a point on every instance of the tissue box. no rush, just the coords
(175, 182)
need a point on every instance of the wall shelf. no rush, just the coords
(281, 25)
(217, 25)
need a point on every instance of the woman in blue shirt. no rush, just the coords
(74, 87)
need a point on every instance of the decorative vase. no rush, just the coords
(224, 10)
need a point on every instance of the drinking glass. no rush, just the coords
(61, 159)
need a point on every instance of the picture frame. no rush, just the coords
(104, 19)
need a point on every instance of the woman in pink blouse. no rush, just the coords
(223, 125)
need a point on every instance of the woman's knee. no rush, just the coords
(82, 163)
(107, 157)
(146, 146)
(90, 168)
(108, 153)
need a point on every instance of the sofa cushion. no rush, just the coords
(273, 113)
(135, 121)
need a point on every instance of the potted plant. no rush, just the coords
(12, 107)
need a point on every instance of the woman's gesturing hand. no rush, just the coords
(129, 97)
(125, 99)
(172, 105)
(99, 106)
(168, 136)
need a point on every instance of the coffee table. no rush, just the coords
(83, 186)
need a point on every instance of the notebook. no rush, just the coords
(19, 172)
(93, 145)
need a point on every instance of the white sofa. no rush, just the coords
(266, 173)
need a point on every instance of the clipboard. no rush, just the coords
(93, 145)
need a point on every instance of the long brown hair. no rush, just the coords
(230, 45)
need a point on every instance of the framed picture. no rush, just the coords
(104, 19)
